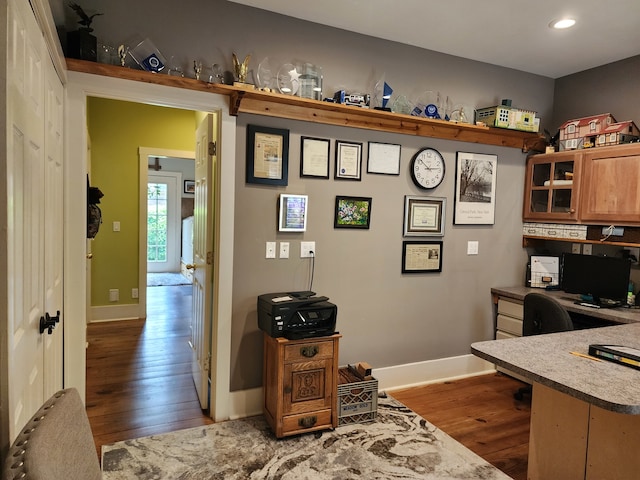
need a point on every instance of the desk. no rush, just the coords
(585, 414)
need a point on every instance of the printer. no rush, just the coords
(296, 315)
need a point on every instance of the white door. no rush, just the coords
(34, 236)
(163, 221)
(203, 247)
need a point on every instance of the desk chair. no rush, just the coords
(542, 314)
(56, 444)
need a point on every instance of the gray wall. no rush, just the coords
(386, 318)
(612, 88)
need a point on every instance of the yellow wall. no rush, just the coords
(116, 130)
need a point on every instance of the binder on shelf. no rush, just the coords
(627, 356)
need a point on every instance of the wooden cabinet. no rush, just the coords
(611, 185)
(552, 190)
(300, 384)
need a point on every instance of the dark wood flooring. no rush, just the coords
(139, 383)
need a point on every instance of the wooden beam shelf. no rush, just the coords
(295, 108)
(539, 241)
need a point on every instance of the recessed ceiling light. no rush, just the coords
(562, 23)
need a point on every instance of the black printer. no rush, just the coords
(295, 315)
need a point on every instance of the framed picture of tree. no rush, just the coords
(475, 194)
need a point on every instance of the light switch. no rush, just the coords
(271, 250)
(116, 226)
(284, 249)
(472, 247)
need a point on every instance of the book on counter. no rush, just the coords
(628, 356)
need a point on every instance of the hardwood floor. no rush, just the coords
(139, 383)
(139, 373)
(481, 413)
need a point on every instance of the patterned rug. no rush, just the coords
(399, 444)
(166, 279)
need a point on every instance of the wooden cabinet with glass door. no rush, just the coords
(552, 187)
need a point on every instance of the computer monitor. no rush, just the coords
(605, 279)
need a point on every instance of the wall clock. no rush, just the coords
(427, 168)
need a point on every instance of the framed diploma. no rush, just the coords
(424, 216)
(421, 256)
(348, 160)
(384, 158)
(267, 155)
(314, 157)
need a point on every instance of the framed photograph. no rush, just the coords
(292, 216)
(421, 256)
(189, 186)
(352, 212)
(475, 194)
(348, 160)
(314, 157)
(267, 155)
(383, 158)
(424, 216)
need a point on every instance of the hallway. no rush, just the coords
(139, 373)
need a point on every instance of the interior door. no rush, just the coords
(34, 183)
(203, 247)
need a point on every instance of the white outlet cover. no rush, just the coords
(270, 250)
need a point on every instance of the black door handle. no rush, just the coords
(48, 322)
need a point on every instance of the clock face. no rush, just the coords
(427, 168)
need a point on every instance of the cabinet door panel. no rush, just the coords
(611, 180)
(307, 386)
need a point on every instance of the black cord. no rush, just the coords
(313, 267)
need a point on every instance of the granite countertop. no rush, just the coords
(546, 359)
(567, 300)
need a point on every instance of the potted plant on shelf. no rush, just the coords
(81, 43)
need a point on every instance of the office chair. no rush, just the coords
(56, 444)
(542, 314)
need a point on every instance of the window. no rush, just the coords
(593, 125)
(571, 128)
(157, 222)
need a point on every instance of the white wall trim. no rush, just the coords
(109, 313)
(246, 403)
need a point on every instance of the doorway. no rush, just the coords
(163, 222)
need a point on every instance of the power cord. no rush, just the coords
(609, 232)
(313, 268)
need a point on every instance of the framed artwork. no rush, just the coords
(292, 216)
(348, 160)
(352, 212)
(267, 155)
(189, 186)
(475, 194)
(424, 216)
(421, 256)
(383, 158)
(314, 157)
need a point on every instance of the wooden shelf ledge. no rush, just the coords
(295, 108)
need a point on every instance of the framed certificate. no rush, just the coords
(384, 158)
(348, 160)
(314, 157)
(421, 256)
(424, 216)
(267, 155)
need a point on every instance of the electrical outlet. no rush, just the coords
(134, 293)
(114, 295)
(307, 249)
(575, 248)
(586, 249)
(271, 250)
(284, 249)
(116, 226)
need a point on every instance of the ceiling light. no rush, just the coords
(562, 23)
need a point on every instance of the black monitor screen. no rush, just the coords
(600, 277)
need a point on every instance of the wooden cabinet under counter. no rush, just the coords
(300, 384)
(611, 185)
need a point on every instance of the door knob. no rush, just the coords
(47, 323)
(89, 256)
(190, 266)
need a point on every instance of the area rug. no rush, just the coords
(399, 444)
(166, 279)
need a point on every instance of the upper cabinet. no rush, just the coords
(611, 182)
(552, 188)
(597, 186)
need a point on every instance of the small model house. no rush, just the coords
(596, 131)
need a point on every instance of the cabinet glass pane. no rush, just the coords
(539, 200)
(563, 172)
(541, 174)
(561, 200)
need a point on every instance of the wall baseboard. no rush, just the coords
(110, 313)
(246, 403)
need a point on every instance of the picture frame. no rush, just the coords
(384, 158)
(424, 216)
(421, 256)
(352, 212)
(314, 157)
(267, 155)
(189, 187)
(475, 189)
(348, 160)
(292, 212)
